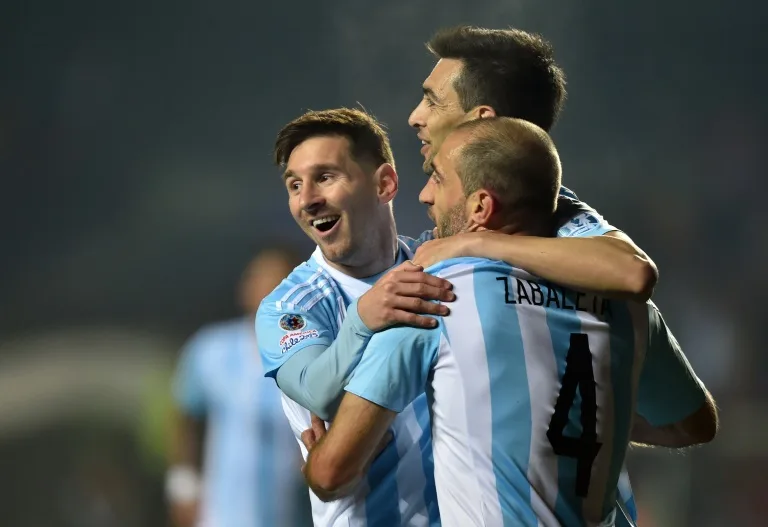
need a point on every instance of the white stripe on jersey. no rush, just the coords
(302, 285)
(472, 370)
(541, 368)
(326, 287)
(600, 342)
(319, 285)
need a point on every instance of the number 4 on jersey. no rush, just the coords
(578, 374)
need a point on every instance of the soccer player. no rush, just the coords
(511, 73)
(484, 73)
(532, 386)
(249, 475)
(340, 178)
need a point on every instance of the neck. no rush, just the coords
(517, 227)
(375, 258)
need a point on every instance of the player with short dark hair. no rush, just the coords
(484, 73)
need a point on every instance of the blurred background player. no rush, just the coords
(248, 475)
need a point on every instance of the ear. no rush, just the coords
(483, 112)
(482, 208)
(386, 183)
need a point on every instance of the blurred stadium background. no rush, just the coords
(135, 145)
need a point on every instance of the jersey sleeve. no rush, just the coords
(395, 366)
(188, 382)
(669, 390)
(414, 243)
(575, 218)
(284, 329)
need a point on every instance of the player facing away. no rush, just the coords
(340, 178)
(532, 387)
(231, 463)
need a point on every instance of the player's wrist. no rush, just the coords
(183, 484)
(356, 320)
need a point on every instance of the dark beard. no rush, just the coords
(453, 222)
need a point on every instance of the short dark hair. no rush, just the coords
(368, 140)
(516, 161)
(511, 70)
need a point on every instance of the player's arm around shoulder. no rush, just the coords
(392, 373)
(588, 254)
(311, 358)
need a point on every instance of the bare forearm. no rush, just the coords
(183, 478)
(329, 475)
(187, 439)
(340, 458)
(605, 265)
(329, 492)
(645, 435)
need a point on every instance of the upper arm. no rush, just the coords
(188, 382)
(395, 366)
(577, 219)
(283, 332)
(669, 390)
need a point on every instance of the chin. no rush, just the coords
(338, 253)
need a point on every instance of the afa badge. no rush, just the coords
(292, 322)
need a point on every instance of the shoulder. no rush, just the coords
(405, 337)
(467, 266)
(568, 193)
(305, 288)
(412, 244)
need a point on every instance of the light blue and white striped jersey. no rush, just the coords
(307, 309)
(532, 390)
(399, 489)
(251, 472)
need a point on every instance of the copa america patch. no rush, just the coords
(292, 322)
(289, 340)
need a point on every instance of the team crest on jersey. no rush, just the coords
(292, 322)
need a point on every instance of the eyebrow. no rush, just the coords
(429, 92)
(323, 167)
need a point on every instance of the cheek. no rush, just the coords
(451, 199)
(294, 207)
(434, 121)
